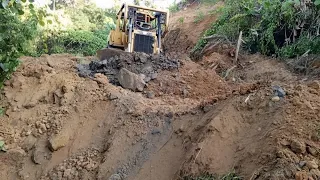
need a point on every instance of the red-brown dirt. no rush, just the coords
(201, 119)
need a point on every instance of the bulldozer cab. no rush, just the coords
(139, 29)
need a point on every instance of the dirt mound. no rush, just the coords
(46, 99)
(60, 125)
(138, 63)
(257, 135)
(191, 81)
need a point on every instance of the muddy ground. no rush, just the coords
(188, 120)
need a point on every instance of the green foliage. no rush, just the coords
(303, 45)
(199, 17)
(174, 7)
(207, 176)
(136, 2)
(209, 2)
(15, 33)
(1, 111)
(88, 17)
(71, 27)
(230, 176)
(202, 177)
(74, 42)
(2, 148)
(78, 30)
(181, 20)
(269, 27)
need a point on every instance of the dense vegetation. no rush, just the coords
(178, 5)
(59, 26)
(77, 27)
(17, 28)
(286, 28)
(65, 26)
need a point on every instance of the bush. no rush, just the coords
(269, 27)
(303, 45)
(209, 2)
(78, 30)
(87, 31)
(15, 35)
(199, 17)
(174, 7)
(74, 42)
(206, 176)
(181, 20)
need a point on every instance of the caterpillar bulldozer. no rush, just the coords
(138, 29)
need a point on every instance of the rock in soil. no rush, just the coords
(207, 108)
(150, 95)
(275, 99)
(312, 165)
(40, 156)
(315, 85)
(313, 151)
(112, 96)
(58, 141)
(301, 175)
(130, 80)
(279, 91)
(298, 147)
(115, 177)
(84, 70)
(100, 78)
(302, 163)
(17, 153)
(315, 173)
(67, 173)
(85, 175)
(154, 76)
(29, 143)
(43, 127)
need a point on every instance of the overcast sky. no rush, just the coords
(110, 3)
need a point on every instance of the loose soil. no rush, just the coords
(198, 119)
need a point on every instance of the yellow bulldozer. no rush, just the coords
(139, 29)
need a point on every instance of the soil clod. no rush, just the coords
(58, 141)
(297, 146)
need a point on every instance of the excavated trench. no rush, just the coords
(84, 128)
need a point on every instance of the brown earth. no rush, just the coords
(58, 125)
(185, 31)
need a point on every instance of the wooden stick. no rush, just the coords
(306, 53)
(238, 47)
(197, 155)
(214, 36)
(247, 99)
(228, 72)
(217, 36)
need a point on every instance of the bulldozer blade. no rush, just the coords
(107, 53)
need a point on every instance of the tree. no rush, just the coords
(15, 33)
(136, 2)
(148, 3)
